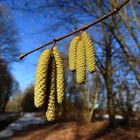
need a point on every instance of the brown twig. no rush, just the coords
(80, 29)
(53, 44)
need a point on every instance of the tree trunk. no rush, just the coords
(109, 85)
(96, 88)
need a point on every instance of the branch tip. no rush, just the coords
(22, 56)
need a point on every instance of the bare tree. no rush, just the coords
(113, 37)
(8, 36)
(8, 54)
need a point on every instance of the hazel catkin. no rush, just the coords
(59, 75)
(90, 52)
(41, 79)
(51, 109)
(81, 63)
(72, 53)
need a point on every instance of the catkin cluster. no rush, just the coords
(90, 52)
(50, 113)
(49, 82)
(81, 63)
(59, 75)
(72, 53)
(81, 53)
(41, 80)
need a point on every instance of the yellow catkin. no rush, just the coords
(81, 63)
(90, 52)
(72, 53)
(41, 79)
(51, 109)
(59, 75)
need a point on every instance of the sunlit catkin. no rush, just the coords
(72, 53)
(81, 63)
(90, 52)
(41, 79)
(51, 109)
(59, 75)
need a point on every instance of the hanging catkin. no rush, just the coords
(59, 75)
(72, 53)
(90, 52)
(51, 109)
(41, 79)
(81, 63)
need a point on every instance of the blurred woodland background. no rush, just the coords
(112, 91)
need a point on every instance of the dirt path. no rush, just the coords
(77, 131)
(64, 131)
(121, 134)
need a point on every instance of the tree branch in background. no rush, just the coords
(115, 10)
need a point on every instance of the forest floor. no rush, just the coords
(98, 130)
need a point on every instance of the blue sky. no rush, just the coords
(24, 71)
(28, 26)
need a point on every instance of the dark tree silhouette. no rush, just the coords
(8, 54)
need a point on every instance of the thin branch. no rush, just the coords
(115, 10)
